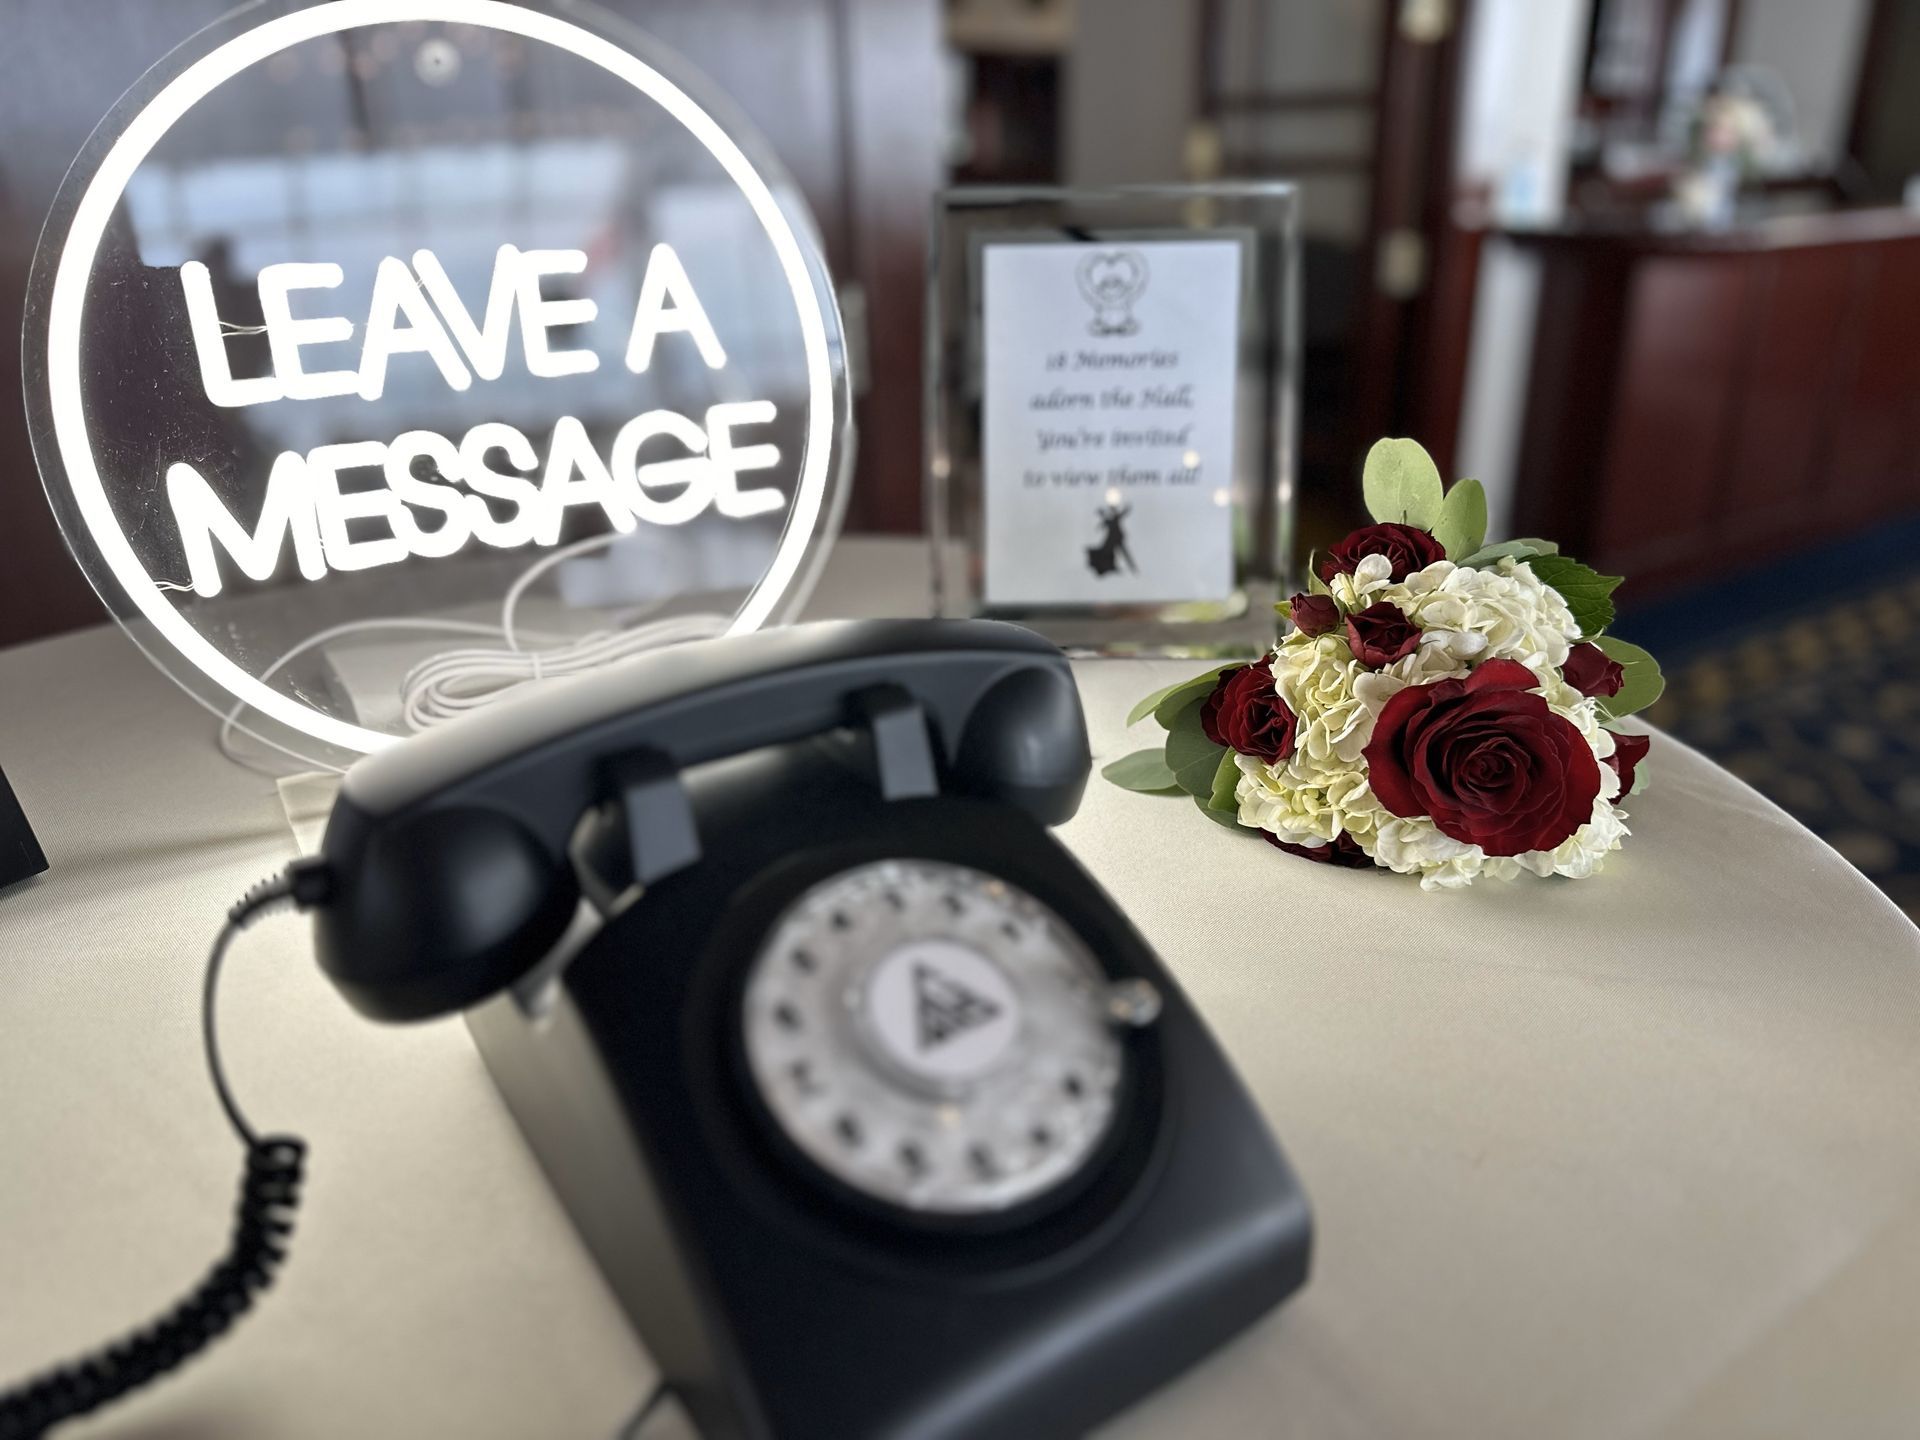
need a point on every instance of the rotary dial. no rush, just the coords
(934, 1036)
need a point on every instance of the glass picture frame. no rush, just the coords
(1112, 412)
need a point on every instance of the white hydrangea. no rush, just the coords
(1371, 577)
(1336, 699)
(1315, 677)
(1585, 851)
(1503, 612)
(1415, 846)
(1306, 804)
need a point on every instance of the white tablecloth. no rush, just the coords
(1631, 1157)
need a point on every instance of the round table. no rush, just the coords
(1636, 1156)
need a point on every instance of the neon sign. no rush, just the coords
(356, 502)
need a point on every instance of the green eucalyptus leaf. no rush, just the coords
(1144, 770)
(1402, 484)
(1225, 780)
(1586, 591)
(1519, 549)
(1315, 585)
(1153, 702)
(1191, 756)
(1462, 526)
(1644, 683)
(1189, 693)
(1227, 818)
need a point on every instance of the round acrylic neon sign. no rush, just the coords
(350, 320)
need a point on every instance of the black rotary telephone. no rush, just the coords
(880, 1118)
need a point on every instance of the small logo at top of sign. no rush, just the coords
(1111, 281)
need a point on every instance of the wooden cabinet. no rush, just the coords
(1700, 402)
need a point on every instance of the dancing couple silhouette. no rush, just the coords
(1105, 558)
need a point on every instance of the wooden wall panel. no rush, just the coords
(1700, 401)
(1873, 466)
(1570, 395)
(1779, 440)
(1677, 387)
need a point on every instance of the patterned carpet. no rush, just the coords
(1819, 708)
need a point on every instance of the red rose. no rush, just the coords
(1406, 547)
(1592, 671)
(1344, 851)
(1628, 752)
(1246, 714)
(1381, 634)
(1313, 614)
(1486, 759)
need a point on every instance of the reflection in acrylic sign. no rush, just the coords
(500, 333)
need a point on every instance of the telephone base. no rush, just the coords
(782, 1308)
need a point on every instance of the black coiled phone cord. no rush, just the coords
(263, 1225)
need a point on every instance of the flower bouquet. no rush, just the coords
(1440, 707)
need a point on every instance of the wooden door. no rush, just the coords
(1357, 103)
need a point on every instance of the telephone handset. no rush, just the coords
(879, 1117)
(449, 854)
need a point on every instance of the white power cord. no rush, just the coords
(456, 682)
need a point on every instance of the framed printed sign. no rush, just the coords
(1112, 411)
(385, 355)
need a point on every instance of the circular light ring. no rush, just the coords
(194, 84)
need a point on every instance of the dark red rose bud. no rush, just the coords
(1406, 547)
(1592, 671)
(1486, 759)
(1382, 634)
(1628, 752)
(1344, 851)
(1313, 614)
(1246, 714)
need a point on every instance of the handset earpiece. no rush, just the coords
(437, 912)
(1025, 742)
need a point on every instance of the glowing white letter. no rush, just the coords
(414, 490)
(335, 508)
(485, 346)
(517, 490)
(396, 294)
(288, 509)
(285, 335)
(637, 481)
(730, 460)
(666, 280)
(573, 451)
(210, 344)
(538, 315)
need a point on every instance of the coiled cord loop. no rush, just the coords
(262, 1228)
(263, 1224)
